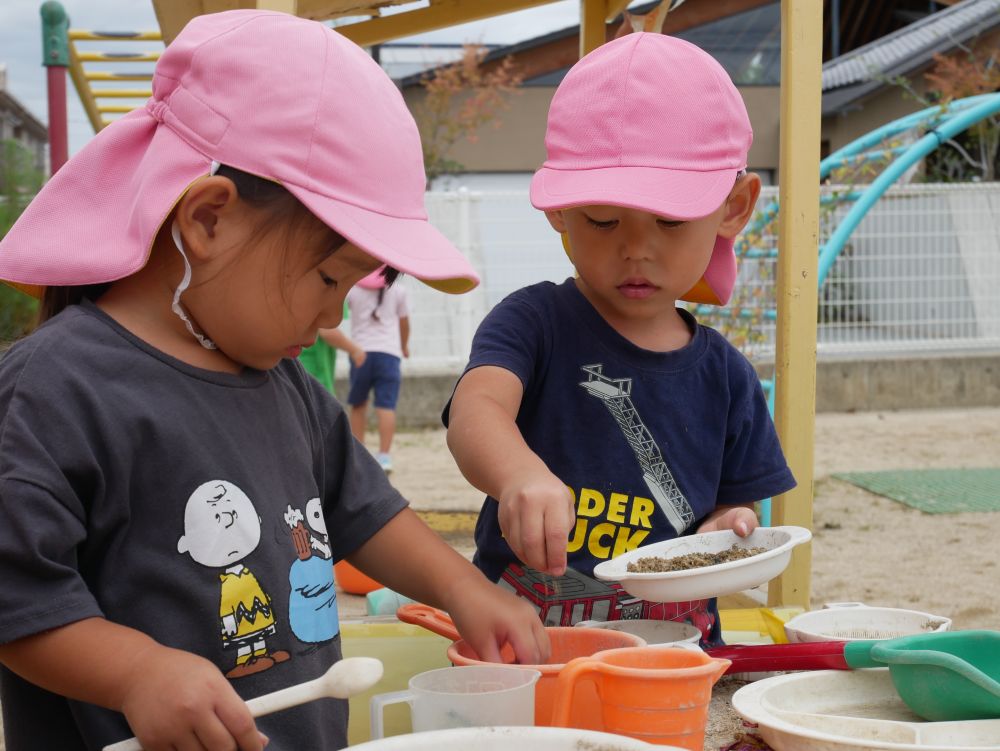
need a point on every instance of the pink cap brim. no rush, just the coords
(674, 194)
(413, 246)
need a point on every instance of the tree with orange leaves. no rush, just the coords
(975, 154)
(459, 99)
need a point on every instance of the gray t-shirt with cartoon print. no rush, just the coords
(204, 509)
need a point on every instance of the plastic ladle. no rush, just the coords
(432, 619)
(344, 679)
(440, 623)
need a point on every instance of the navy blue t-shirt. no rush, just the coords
(648, 442)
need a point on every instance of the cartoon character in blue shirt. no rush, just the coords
(312, 604)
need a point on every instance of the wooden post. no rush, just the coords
(798, 243)
(592, 24)
(285, 6)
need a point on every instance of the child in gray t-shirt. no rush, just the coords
(174, 489)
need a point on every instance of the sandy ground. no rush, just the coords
(866, 548)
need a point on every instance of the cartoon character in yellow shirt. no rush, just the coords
(221, 528)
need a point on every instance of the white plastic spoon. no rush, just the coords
(344, 679)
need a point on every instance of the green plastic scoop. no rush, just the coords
(945, 675)
(951, 675)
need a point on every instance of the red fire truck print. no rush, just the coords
(572, 597)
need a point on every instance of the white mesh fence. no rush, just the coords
(920, 272)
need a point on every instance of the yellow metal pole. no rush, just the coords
(131, 36)
(77, 75)
(798, 238)
(438, 15)
(118, 57)
(592, 20)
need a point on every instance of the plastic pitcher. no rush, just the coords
(656, 694)
(463, 697)
(568, 643)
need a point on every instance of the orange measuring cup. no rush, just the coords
(567, 644)
(656, 694)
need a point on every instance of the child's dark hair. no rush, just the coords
(280, 208)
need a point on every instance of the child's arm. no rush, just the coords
(408, 556)
(536, 508)
(339, 340)
(742, 519)
(404, 335)
(171, 698)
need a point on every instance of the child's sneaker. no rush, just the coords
(385, 462)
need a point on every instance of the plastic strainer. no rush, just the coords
(850, 621)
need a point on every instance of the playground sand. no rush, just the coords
(866, 548)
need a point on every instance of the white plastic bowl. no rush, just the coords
(850, 710)
(506, 738)
(855, 621)
(707, 581)
(653, 631)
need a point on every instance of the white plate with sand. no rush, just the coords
(768, 551)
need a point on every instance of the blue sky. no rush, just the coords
(20, 42)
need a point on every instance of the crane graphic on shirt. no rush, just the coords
(615, 393)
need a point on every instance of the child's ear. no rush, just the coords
(203, 214)
(556, 220)
(740, 205)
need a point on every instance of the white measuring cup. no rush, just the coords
(462, 697)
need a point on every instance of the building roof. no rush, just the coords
(853, 75)
(746, 43)
(10, 105)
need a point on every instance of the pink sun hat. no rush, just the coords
(649, 122)
(374, 280)
(268, 93)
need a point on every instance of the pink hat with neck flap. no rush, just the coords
(268, 93)
(654, 123)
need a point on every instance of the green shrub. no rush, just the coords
(19, 181)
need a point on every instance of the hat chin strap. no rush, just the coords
(204, 341)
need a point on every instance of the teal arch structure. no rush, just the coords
(940, 123)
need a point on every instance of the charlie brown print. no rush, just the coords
(221, 528)
(312, 604)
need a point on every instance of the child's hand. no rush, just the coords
(179, 700)
(358, 357)
(741, 519)
(488, 617)
(536, 516)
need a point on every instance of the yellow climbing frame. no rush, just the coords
(801, 45)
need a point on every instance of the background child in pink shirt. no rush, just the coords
(380, 325)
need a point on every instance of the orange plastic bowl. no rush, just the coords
(567, 643)
(352, 580)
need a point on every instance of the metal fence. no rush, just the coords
(921, 272)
